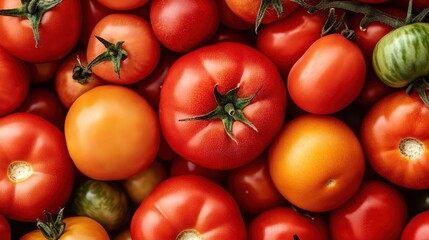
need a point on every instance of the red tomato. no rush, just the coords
(5, 231)
(184, 25)
(188, 207)
(245, 88)
(123, 5)
(285, 223)
(376, 211)
(278, 40)
(316, 162)
(69, 89)
(417, 227)
(42, 73)
(395, 139)
(112, 133)
(230, 19)
(58, 34)
(252, 187)
(14, 87)
(43, 102)
(328, 76)
(225, 34)
(37, 173)
(92, 12)
(142, 49)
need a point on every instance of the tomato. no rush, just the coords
(100, 131)
(316, 162)
(184, 25)
(395, 140)
(57, 34)
(92, 12)
(35, 165)
(123, 5)
(318, 85)
(180, 166)
(105, 202)
(417, 227)
(376, 211)
(69, 89)
(226, 34)
(252, 187)
(188, 207)
(139, 186)
(76, 227)
(5, 228)
(234, 105)
(43, 102)
(278, 40)
(130, 61)
(230, 19)
(42, 73)
(285, 223)
(400, 57)
(14, 87)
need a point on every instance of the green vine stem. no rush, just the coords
(32, 10)
(51, 228)
(277, 5)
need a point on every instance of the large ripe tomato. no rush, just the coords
(111, 132)
(140, 48)
(15, 83)
(376, 211)
(184, 25)
(417, 227)
(278, 40)
(58, 34)
(285, 223)
(36, 171)
(222, 105)
(328, 76)
(316, 162)
(5, 230)
(188, 207)
(395, 139)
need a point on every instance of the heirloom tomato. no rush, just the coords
(395, 139)
(282, 223)
(188, 207)
(57, 34)
(417, 227)
(316, 162)
(124, 48)
(111, 133)
(5, 228)
(328, 76)
(184, 25)
(36, 171)
(376, 211)
(222, 105)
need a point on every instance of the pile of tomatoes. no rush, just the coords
(214, 119)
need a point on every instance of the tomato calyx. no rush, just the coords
(229, 109)
(332, 25)
(82, 74)
(51, 228)
(420, 85)
(32, 10)
(277, 5)
(189, 234)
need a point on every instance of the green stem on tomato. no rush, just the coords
(51, 228)
(32, 10)
(277, 5)
(420, 85)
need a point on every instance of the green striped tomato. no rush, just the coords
(402, 55)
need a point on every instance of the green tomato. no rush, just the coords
(402, 55)
(103, 201)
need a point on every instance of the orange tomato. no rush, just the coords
(316, 162)
(112, 133)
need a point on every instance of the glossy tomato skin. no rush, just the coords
(230, 19)
(123, 5)
(395, 140)
(225, 65)
(316, 162)
(5, 230)
(77, 227)
(142, 47)
(111, 133)
(376, 211)
(317, 83)
(34, 162)
(278, 40)
(417, 227)
(14, 87)
(285, 223)
(188, 202)
(182, 26)
(58, 35)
